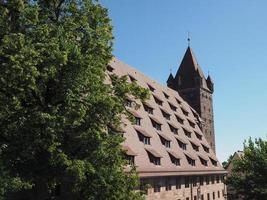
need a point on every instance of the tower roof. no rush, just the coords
(190, 69)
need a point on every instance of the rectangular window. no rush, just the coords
(201, 180)
(202, 197)
(195, 197)
(213, 195)
(186, 182)
(156, 188)
(178, 183)
(194, 181)
(168, 185)
(217, 179)
(212, 179)
(207, 180)
(219, 194)
(208, 196)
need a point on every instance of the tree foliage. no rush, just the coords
(249, 177)
(55, 110)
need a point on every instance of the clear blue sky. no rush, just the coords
(229, 39)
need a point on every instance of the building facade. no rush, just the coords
(174, 157)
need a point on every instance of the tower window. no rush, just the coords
(156, 188)
(148, 109)
(178, 101)
(186, 182)
(178, 183)
(168, 185)
(165, 115)
(201, 180)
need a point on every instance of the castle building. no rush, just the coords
(197, 91)
(170, 144)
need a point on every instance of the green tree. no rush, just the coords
(57, 115)
(249, 177)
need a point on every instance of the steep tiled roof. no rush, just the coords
(191, 136)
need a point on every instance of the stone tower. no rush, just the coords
(192, 85)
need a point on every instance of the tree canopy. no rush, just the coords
(56, 112)
(249, 176)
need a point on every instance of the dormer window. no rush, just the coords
(143, 138)
(195, 147)
(175, 161)
(166, 96)
(173, 129)
(184, 112)
(148, 109)
(165, 142)
(109, 68)
(165, 114)
(132, 78)
(191, 124)
(179, 119)
(198, 136)
(187, 133)
(130, 159)
(206, 149)
(190, 161)
(174, 108)
(152, 89)
(181, 144)
(158, 101)
(153, 157)
(214, 162)
(178, 101)
(156, 124)
(137, 121)
(129, 103)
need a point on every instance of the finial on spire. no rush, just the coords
(170, 70)
(188, 38)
